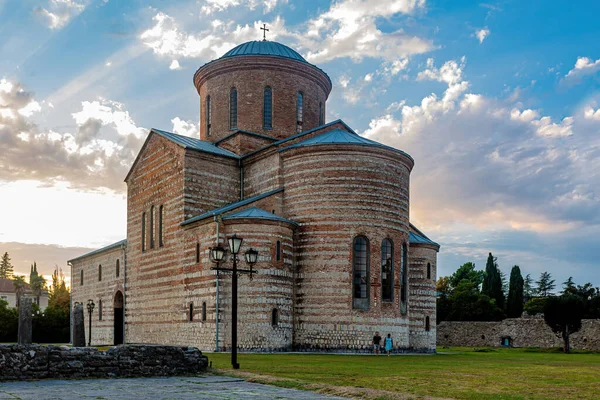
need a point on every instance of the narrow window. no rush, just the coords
(428, 271)
(275, 317)
(268, 109)
(204, 311)
(360, 268)
(152, 227)
(81, 277)
(197, 252)
(233, 108)
(387, 270)
(208, 116)
(143, 231)
(99, 272)
(403, 289)
(117, 269)
(299, 112)
(191, 316)
(278, 251)
(427, 326)
(161, 214)
(321, 119)
(100, 310)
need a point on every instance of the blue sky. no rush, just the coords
(498, 102)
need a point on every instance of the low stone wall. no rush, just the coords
(521, 332)
(40, 362)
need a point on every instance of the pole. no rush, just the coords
(234, 306)
(217, 316)
(90, 332)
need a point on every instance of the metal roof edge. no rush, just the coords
(105, 248)
(237, 131)
(230, 206)
(163, 134)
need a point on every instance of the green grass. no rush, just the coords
(461, 373)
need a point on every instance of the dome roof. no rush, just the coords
(264, 48)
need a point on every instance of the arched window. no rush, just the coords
(274, 317)
(197, 252)
(191, 315)
(233, 108)
(100, 310)
(203, 311)
(360, 273)
(387, 270)
(152, 227)
(268, 108)
(99, 272)
(403, 281)
(117, 269)
(161, 211)
(208, 116)
(144, 231)
(428, 271)
(299, 112)
(81, 278)
(278, 251)
(321, 119)
(427, 325)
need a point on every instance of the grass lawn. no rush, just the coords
(460, 373)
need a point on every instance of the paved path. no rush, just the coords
(187, 388)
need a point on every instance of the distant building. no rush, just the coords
(8, 293)
(327, 210)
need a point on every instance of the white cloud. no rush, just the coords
(212, 6)
(185, 128)
(545, 127)
(174, 65)
(589, 113)
(481, 34)
(30, 108)
(368, 77)
(583, 67)
(59, 12)
(451, 71)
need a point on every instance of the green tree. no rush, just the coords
(468, 304)
(545, 285)
(467, 272)
(492, 282)
(6, 268)
(37, 283)
(514, 305)
(59, 295)
(19, 284)
(535, 305)
(528, 290)
(563, 315)
(9, 320)
(569, 286)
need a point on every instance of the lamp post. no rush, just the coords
(90, 308)
(251, 256)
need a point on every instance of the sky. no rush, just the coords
(498, 102)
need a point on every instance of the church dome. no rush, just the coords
(264, 48)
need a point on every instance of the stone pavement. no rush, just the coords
(187, 388)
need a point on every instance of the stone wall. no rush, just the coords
(41, 362)
(522, 332)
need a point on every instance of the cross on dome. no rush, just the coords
(265, 30)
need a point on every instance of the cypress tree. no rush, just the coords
(6, 268)
(492, 282)
(514, 305)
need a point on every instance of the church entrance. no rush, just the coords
(119, 318)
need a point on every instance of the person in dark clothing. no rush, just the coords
(376, 343)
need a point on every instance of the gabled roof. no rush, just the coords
(240, 131)
(257, 213)
(105, 248)
(340, 136)
(231, 206)
(418, 237)
(185, 142)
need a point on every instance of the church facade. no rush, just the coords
(326, 209)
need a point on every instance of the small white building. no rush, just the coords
(8, 293)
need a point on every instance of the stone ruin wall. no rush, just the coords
(523, 332)
(51, 362)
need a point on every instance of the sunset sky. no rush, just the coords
(497, 102)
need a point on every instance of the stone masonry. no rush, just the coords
(312, 194)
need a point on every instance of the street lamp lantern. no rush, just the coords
(234, 244)
(90, 308)
(251, 257)
(217, 253)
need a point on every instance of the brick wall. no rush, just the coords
(421, 298)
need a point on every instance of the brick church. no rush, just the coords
(326, 209)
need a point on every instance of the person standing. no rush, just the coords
(389, 343)
(376, 343)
